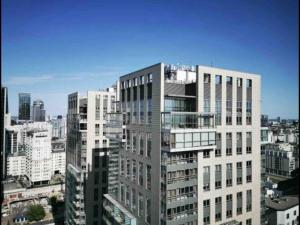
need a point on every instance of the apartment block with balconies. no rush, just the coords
(189, 143)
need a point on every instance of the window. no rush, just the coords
(248, 83)
(206, 178)
(239, 82)
(228, 120)
(134, 171)
(149, 78)
(206, 153)
(218, 209)
(228, 144)
(228, 151)
(133, 196)
(206, 78)
(206, 211)
(287, 215)
(142, 80)
(249, 149)
(149, 144)
(229, 174)
(218, 79)
(229, 206)
(248, 222)
(239, 143)
(249, 201)
(229, 80)
(148, 174)
(134, 142)
(239, 169)
(141, 204)
(218, 176)
(128, 168)
(239, 120)
(249, 171)
(148, 210)
(141, 145)
(218, 152)
(239, 197)
(141, 175)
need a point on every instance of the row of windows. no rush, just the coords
(229, 176)
(229, 207)
(218, 80)
(136, 81)
(136, 202)
(141, 143)
(134, 171)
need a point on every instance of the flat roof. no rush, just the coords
(283, 203)
(197, 65)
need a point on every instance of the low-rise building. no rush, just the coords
(279, 160)
(283, 210)
(16, 164)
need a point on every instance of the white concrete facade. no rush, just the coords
(38, 154)
(16, 165)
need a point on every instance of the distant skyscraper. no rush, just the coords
(24, 106)
(38, 111)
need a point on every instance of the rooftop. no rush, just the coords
(282, 203)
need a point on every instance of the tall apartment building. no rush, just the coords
(192, 145)
(38, 111)
(24, 106)
(38, 154)
(4, 123)
(87, 156)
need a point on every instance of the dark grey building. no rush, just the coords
(4, 111)
(24, 106)
(38, 111)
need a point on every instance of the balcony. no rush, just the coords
(115, 213)
(187, 120)
(188, 141)
(114, 127)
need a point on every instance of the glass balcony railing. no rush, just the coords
(114, 126)
(187, 120)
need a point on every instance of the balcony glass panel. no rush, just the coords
(187, 120)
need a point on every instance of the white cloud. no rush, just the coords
(28, 80)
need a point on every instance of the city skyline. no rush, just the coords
(50, 54)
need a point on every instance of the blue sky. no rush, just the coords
(53, 48)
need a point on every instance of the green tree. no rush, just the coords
(36, 213)
(52, 201)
